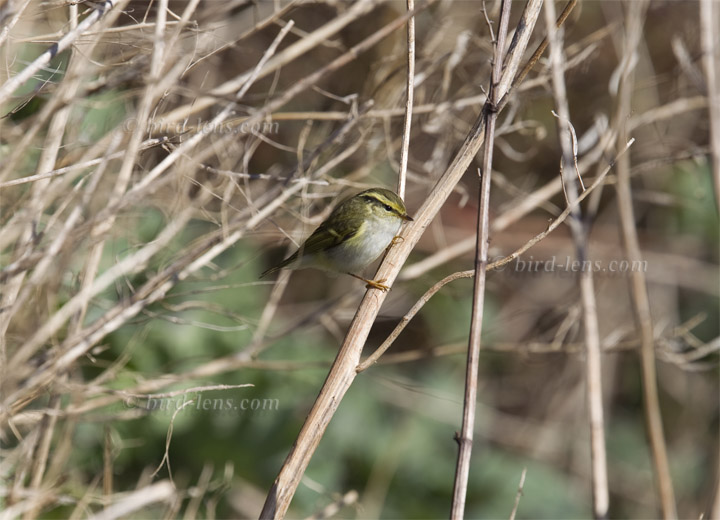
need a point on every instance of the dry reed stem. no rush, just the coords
(147, 185)
(708, 31)
(535, 199)
(40, 456)
(410, 92)
(17, 293)
(465, 437)
(601, 501)
(540, 49)
(638, 283)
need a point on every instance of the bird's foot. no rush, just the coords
(373, 284)
(377, 284)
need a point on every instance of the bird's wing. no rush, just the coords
(331, 235)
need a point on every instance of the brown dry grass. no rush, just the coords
(168, 137)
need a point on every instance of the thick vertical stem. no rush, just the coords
(465, 438)
(638, 285)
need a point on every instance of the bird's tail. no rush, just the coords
(270, 271)
(281, 265)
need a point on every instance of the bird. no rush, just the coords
(355, 233)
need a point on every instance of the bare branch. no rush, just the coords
(11, 85)
(465, 437)
(579, 233)
(410, 86)
(640, 298)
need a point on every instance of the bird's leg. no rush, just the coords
(396, 240)
(372, 284)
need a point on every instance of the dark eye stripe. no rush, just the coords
(374, 200)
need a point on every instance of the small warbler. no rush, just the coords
(357, 231)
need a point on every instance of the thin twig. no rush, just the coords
(43, 60)
(519, 494)
(40, 457)
(540, 49)
(220, 118)
(19, 10)
(410, 87)
(147, 184)
(372, 359)
(129, 264)
(78, 166)
(292, 52)
(151, 291)
(70, 218)
(14, 296)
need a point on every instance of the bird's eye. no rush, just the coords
(387, 207)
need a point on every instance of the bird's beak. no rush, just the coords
(407, 217)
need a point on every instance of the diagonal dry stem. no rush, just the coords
(343, 371)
